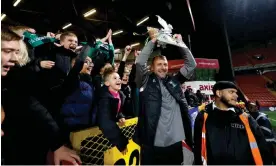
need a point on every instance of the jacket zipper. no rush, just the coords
(226, 142)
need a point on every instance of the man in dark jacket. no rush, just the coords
(164, 121)
(225, 135)
(265, 126)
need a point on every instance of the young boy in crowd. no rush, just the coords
(110, 106)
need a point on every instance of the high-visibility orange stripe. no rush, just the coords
(255, 150)
(203, 141)
(252, 141)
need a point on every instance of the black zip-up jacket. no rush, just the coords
(107, 116)
(29, 128)
(226, 139)
(62, 58)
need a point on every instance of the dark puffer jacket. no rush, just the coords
(77, 110)
(108, 115)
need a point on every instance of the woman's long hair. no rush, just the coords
(23, 57)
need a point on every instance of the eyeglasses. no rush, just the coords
(89, 63)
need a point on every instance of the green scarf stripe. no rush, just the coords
(34, 40)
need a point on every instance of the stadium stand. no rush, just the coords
(253, 86)
(255, 56)
(266, 55)
(240, 59)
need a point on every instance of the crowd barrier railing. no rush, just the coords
(95, 149)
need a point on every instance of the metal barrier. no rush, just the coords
(95, 149)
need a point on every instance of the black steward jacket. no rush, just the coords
(226, 139)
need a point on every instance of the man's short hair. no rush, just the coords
(65, 34)
(158, 57)
(8, 35)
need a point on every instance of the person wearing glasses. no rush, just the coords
(78, 90)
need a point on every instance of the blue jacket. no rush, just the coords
(77, 110)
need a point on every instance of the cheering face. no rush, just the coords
(9, 55)
(70, 42)
(87, 66)
(125, 78)
(160, 67)
(114, 82)
(228, 97)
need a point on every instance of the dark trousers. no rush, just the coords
(171, 155)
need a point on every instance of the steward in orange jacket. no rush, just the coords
(225, 135)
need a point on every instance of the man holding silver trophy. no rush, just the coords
(164, 127)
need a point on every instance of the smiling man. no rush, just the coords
(164, 121)
(225, 135)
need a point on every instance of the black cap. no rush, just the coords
(224, 85)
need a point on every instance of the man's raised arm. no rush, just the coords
(186, 71)
(141, 63)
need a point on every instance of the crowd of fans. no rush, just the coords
(54, 84)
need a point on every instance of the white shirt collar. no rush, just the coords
(229, 109)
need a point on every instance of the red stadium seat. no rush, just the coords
(240, 59)
(254, 87)
(246, 58)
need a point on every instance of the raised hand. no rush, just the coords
(128, 49)
(21, 29)
(153, 32)
(127, 52)
(50, 34)
(109, 33)
(110, 37)
(57, 36)
(178, 37)
(31, 30)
